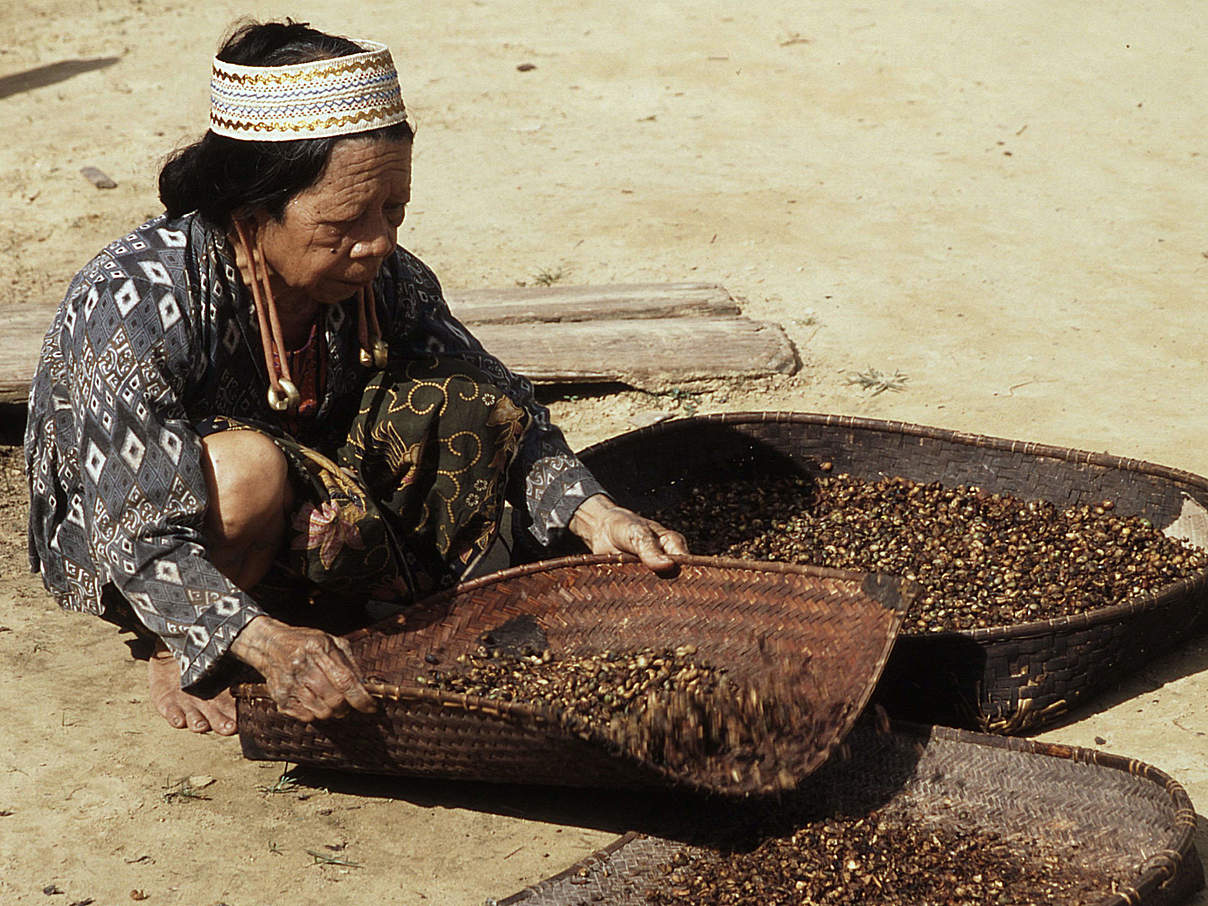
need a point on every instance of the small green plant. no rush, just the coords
(878, 382)
(283, 784)
(183, 790)
(547, 277)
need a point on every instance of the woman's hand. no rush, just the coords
(609, 529)
(310, 675)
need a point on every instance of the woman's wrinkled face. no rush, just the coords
(334, 236)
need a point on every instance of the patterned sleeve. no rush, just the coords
(555, 482)
(129, 346)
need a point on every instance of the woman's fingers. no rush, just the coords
(321, 680)
(303, 703)
(674, 542)
(608, 528)
(308, 698)
(644, 541)
(336, 684)
(355, 692)
(671, 541)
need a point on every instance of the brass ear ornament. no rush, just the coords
(283, 395)
(381, 353)
(374, 351)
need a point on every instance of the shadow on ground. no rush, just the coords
(51, 73)
(1190, 658)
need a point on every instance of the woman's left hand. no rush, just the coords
(609, 529)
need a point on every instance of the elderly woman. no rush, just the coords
(255, 419)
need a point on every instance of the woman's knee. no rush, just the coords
(247, 479)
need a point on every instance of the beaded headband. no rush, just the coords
(340, 96)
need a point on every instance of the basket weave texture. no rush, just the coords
(1011, 679)
(819, 636)
(1124, 820)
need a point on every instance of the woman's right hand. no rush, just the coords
(310, 675)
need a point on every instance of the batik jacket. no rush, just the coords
(158, 333)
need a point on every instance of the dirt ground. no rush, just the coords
(1001, 202)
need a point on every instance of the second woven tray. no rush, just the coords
(814, 637)
(1120, 820)
(1012, 679)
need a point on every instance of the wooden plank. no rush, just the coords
(650, 353)
(518, 305)
(698, 346)
(24, 326)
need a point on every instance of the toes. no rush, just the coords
(169, 710)
(224, 724)
(172, 714)
(197, 721)
(184, 711)
(221, 714)
(182, 714)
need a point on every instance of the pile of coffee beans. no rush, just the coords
(591, 688)
(981, 559)
(871, 859)
(663, 706)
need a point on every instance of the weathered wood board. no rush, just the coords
(22, 328)
(649, 353)
(646, 335)
(519, 305)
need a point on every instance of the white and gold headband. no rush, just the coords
(340, 96)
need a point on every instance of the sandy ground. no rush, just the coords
(1002, 202)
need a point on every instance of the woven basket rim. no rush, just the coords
(1162, 865)
(1069, 454)
(579, 560)
(525, 569)
(522, 712)
(1138, 604)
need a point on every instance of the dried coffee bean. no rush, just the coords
(877, 859)
(662, 706)
(981, 559)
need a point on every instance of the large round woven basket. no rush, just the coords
(1123, 821)
(1017, 678)
(806, 635)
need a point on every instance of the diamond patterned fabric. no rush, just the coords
(157, 334)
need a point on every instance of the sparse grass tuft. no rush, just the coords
(283, 784)
(877, 382)
(328, 859)
(547, 277)
(183, 790)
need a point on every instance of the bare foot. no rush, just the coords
(181, 709)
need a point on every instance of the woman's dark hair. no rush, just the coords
(219, 176)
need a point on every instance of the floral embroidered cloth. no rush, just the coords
(411, 501)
